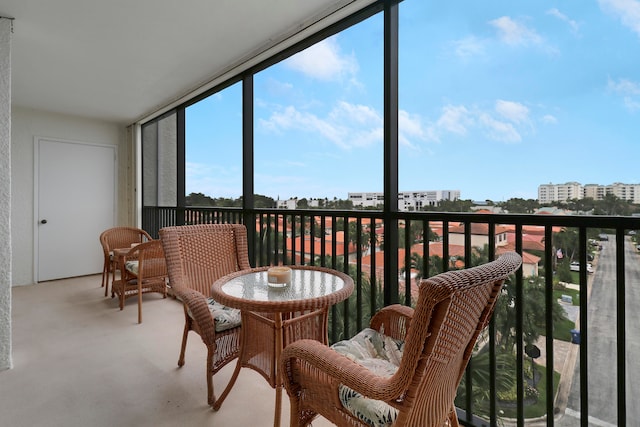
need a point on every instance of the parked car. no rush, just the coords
(603, 237)
(575, 266)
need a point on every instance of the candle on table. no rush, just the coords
(279, 275)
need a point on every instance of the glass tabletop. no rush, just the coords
(305, 285)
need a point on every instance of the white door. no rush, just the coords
(75, 200)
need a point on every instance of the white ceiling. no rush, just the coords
(122, 60)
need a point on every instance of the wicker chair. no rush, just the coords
(198, 255)
(117, 238)
(145, 270)
(405, 369)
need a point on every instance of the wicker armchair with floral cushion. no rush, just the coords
(405, 369)
(197, 256)
(117, 238)
(145, 270)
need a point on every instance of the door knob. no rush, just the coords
(44, 221)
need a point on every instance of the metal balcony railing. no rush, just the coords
(559, 350)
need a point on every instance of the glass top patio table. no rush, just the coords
(275, 315)
(310, 288)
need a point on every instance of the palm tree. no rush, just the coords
(434, 266)
(368, 297)
(481, 380)
(533, 314)
(367, 236)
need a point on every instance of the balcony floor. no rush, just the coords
(80, 361)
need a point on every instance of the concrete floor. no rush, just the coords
(80, 361)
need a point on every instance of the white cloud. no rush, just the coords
(575, 28)
(632, 104)
(467, 47)
(505, 123)
(410, 129)
(350, 125)
(627, 10)
(347, 125)
(455, 119)
(549, 119)
(499, 130)
(515, 33)
(512, 111)
(324, 61)
(362, 114)
(624, 87)
(628, 90)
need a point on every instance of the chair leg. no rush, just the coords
(139, 301)
(121, 297)
(453, 418)
(185, 334)
(105, 273)
(113, 279)
(211, 398)
(294, 417)
(218, 403)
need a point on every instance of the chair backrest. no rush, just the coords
(122, 237)
(198, 255)
(151, 260)
(452, 309)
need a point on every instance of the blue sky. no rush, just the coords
(496, 98)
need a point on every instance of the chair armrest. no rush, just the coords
(196, 303)
(311, 364)
(393, 321)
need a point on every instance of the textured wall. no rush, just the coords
(5, 193)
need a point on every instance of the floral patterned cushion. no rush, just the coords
(381, 355)
(132, 266)
(224, 317)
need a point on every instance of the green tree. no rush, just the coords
(199, 199)
(518, 205)
(434, 266)
(566, 240)
(366, 236)
(481, 380)
(563, 272)
(371, 297)
(451, 206)
(612, 205)
(533, 309)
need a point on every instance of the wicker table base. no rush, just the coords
(273, 318)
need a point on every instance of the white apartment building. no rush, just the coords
(291, 203)
(548, 193)
(407, 200)
(624, 191)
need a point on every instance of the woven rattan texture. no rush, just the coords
(117, 238)
(197, 256)
(151, 275)
(439, 335)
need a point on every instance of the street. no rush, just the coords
(602, 343)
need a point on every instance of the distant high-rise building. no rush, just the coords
(407, 200)
(548, 193)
